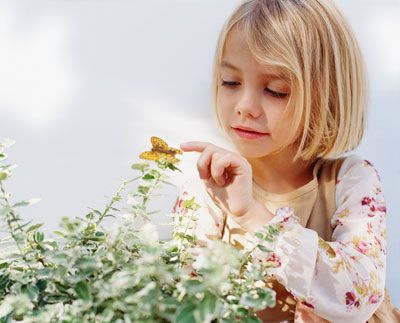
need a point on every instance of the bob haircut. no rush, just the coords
(316, 52)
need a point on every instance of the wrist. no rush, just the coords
(256, 217)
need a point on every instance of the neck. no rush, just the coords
(278, 174)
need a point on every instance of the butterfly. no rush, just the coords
(161, 152)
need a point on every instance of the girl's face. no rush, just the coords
(251, 96)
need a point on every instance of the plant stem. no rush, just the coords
(114, 199)
(10, 217)
(187, 227)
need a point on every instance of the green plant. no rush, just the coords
(124, 273)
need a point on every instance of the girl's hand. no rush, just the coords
(227, 177)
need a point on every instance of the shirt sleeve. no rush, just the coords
(207, 222)
(342, 280)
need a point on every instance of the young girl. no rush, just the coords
(288, 90)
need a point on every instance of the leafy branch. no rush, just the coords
(124, 273)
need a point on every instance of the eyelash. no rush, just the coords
(273, 93)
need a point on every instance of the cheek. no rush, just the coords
(274, 117)
(224, 109)
(278, 123)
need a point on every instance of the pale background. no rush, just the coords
(84, 84)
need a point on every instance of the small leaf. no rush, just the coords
(185, 313)
(87, 264)
(89, 216)
(140, 166)
(95, 211)
(31, 290)
(82, 290)
(143, 189)
(194, 286)
(25, 203)
(41, 285)
(3, 176)
(207, 309)
(34, 227)
(258, 298)
(263, 248)
(148, 177)
(59, 233)
(38, 236)
(4, 280)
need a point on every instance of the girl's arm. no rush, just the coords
(342, 280)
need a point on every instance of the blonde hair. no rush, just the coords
(312, 44)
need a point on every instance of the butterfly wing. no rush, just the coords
(174, 150)
(158, 143)
(169, 159)
(161, 152)
(150, 155)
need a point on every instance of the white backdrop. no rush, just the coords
(85, 83)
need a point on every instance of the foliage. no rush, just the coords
(124, 273)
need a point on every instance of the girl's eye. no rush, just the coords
(226, 83)
(275, 94)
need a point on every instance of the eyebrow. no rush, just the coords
(233, 67)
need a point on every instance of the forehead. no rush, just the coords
(237, 56)
(267, 71)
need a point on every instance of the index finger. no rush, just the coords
(197, 146)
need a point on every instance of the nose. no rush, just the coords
(249, 104)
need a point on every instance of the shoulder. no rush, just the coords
(357, 180)
(356, 166)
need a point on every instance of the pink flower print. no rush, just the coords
(367, 162)
(369, 228)
(275, 260)
(363, 247)
(366, 201)
(379, 243)
(338, 222)
(373, 299)
(351, 299)
(382, 208)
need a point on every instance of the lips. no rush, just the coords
(248, 129)
(248, 133)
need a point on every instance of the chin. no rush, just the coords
(252, 152)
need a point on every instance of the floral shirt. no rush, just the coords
(342, 280)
